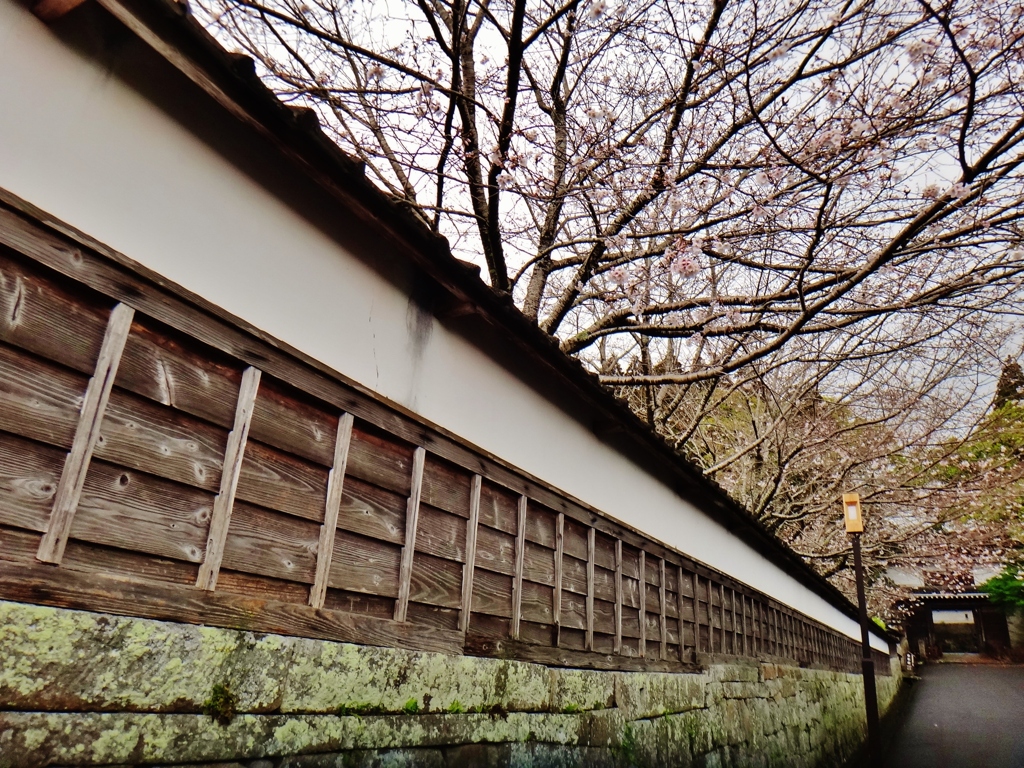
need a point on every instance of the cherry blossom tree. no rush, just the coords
(789, 232)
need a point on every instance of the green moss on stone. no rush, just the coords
(222, 704)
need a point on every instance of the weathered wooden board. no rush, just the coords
(539, 564)
(263, 587)
(277, 480)
(687, 584)
(484, 625)
(671, 604)
(362, 564)
(50, 317)
(536, 603)
(445, 619)
(672, 634)
(44, 585)
(574, 579)
(630, 562)
(537, 634)
(139, 512)
(604, 643)
(120, 563)
(372, 511)
(446, 486)
(653, 574)
(572, 639)
(604, 584)
(292, 422)
(495, 550)
(441, 534)
(161, 441)
(499, 508)
(38, 399)
(604, 551)
(576, 540)
(653, 598)
(18, 545)
(168, 368)
(379, 459)
(540, 525)
(492, 594)
(436, 581)
(267, 543)
(354, 602)
(653, 633)
(29, 472)
(574, 575)
(630, 592)
(604, 617)
(574, 611)
(671, 579)
(631, 624)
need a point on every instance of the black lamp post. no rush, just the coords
(855, 526)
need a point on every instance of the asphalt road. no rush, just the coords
(963, 716)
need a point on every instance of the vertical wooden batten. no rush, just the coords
(643, 605)
(721, 613)
(517, 579)
(711, 616)
(556, 597)
(679, 609)
(759, 634)
(663, 609)
(743, 620)
(335, 485)
(87, 433)
(737, 623)
(591, 544)
(617, 643)
(225, 500)
(696, 613)
(412, 516)
(468, 567)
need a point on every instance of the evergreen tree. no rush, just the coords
(1011, 385)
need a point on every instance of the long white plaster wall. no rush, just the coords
(78, 143)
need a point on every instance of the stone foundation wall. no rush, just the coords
(87, 689)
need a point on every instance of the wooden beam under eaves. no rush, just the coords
(51, 10)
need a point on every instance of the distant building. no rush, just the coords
(943, 623)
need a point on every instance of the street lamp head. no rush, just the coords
(852, 513)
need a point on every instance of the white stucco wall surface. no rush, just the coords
(79, 144)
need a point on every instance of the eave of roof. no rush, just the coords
(168, 27)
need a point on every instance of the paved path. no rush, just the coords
(963, 716)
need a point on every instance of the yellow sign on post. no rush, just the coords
(852, 513)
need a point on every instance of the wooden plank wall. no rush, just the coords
(158, 460)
